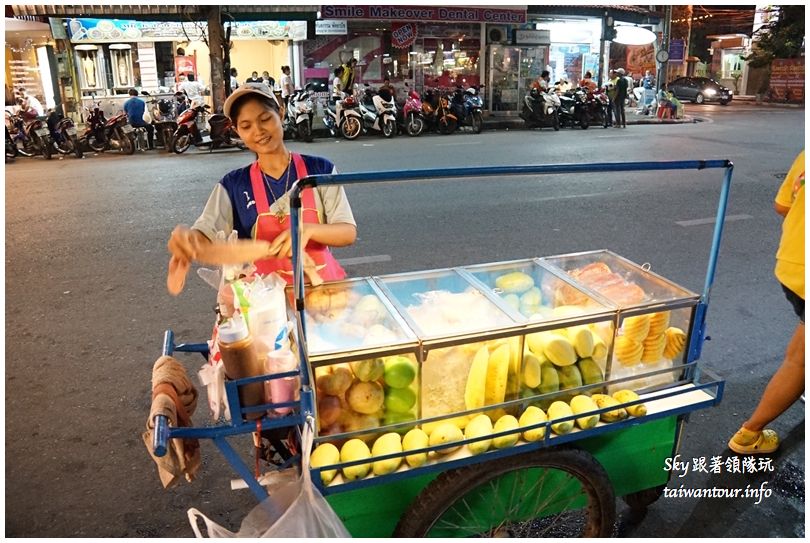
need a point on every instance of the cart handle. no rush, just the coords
(436, 173)
(160, 435)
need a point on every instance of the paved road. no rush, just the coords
(86, 303)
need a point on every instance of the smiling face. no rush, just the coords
(259, 126)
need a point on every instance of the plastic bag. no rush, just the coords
(295, 508)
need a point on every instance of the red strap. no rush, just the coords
(259, 194)
(300, 166)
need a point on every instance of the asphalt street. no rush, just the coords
(86, 301)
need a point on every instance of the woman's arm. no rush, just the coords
(333, 235)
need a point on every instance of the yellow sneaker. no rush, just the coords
(750, 442)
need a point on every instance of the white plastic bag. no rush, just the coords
(295, 508)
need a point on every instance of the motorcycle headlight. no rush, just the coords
(710, 92)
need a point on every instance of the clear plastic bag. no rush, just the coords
(295, 508)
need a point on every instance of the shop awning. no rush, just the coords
(623, 13)
(169, 13)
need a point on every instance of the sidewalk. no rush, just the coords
(751, 100)
(513, 123)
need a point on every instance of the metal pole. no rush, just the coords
(600, 79)
(662, 67)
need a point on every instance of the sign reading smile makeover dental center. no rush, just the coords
(448, 14)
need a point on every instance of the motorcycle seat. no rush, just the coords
(331, 107)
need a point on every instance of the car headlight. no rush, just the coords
(710, 92)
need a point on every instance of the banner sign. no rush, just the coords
(403, 35)
(676, 51)
(184, 65)
(787, 79)
(443, 14)
(123, 30)
(532, 37)
(331, 28)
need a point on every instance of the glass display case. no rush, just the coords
(488, 339)
(654, 319)
(352, 320)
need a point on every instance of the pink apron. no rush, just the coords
(268, 226)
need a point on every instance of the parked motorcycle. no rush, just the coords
(344, 117)
(220, 133)
(571, 110)
(113, 133)
(541, 109)
(64, 136)
(595, 110)
(409, 116)
(467, 107)
(379, 112)
(28, 135)
(437, 112)
(93, 135)
(164, 119)
(11, 148)
(300, 112)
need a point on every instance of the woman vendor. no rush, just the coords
(254, 200)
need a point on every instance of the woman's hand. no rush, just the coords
(183, 243)
(281, 247)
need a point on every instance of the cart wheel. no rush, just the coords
(640, 500)
(550, 493)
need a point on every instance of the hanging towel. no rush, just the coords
(174, 396)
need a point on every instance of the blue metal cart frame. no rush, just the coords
(304, 409)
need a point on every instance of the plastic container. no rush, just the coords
(284, 389)
(241, 360)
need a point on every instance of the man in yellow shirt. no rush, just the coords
(787, 384)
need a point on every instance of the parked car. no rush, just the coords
(699, 90)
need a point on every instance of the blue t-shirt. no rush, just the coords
(134, 108)
(240, 191)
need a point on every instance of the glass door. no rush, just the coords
(504, 78)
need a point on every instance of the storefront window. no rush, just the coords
(27, 66)
(434, 55)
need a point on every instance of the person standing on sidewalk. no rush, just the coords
(287, 85)
(610, 90)
(621, 96)
(787, 384)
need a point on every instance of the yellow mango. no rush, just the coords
(506, 422)
(582, 339)
(389, 443)
(558, 410)
(446, 433)
(603, 401)
(514, 282)
(415, 439)
(533, 415)
(532, 374)
(355, 449)
(624, 396)
(584, 404)
(325, 454)
(480, 426)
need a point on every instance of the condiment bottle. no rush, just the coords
(284, 389)
(240, 359)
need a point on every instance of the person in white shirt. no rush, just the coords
(29, 102)
(234, 80)
(191, 87)
(337, 84)
(287, 86)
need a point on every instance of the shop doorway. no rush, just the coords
(511, 73)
